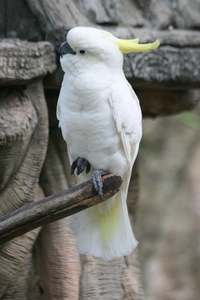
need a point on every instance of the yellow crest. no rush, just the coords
(128, 46)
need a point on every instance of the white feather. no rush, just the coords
(108, 236)
(100, 119)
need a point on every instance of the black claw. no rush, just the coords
(80, 164)
(97, 182)
(87, 167)
(73, 166)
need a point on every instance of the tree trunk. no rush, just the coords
(23, 149)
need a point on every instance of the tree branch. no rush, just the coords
(55, 207)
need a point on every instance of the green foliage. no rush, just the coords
(189, 119)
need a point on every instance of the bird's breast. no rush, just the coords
(87, 122)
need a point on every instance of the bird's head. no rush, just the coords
(93, 45)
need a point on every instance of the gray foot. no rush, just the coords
(80, 164)
(97, 182)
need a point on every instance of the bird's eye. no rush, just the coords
(81, 51)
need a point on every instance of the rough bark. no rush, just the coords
(53, 14)
(162, 14)
(22, 61)
(186, 14)
(23, 147)
(32, 19)
(18, 21)
(157, 13)
(110, 280)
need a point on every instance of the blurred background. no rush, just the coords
(168, 220)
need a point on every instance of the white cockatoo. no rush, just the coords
(100, 118)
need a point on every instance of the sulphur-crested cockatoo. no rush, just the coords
(100, 118)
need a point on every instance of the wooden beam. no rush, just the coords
(22, 61)
(55, 207)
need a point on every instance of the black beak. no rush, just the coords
(66, 49)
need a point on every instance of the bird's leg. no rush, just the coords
(97, 182)
(80, 164)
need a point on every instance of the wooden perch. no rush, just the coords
(55, 207)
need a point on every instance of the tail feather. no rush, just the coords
(104, 230)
